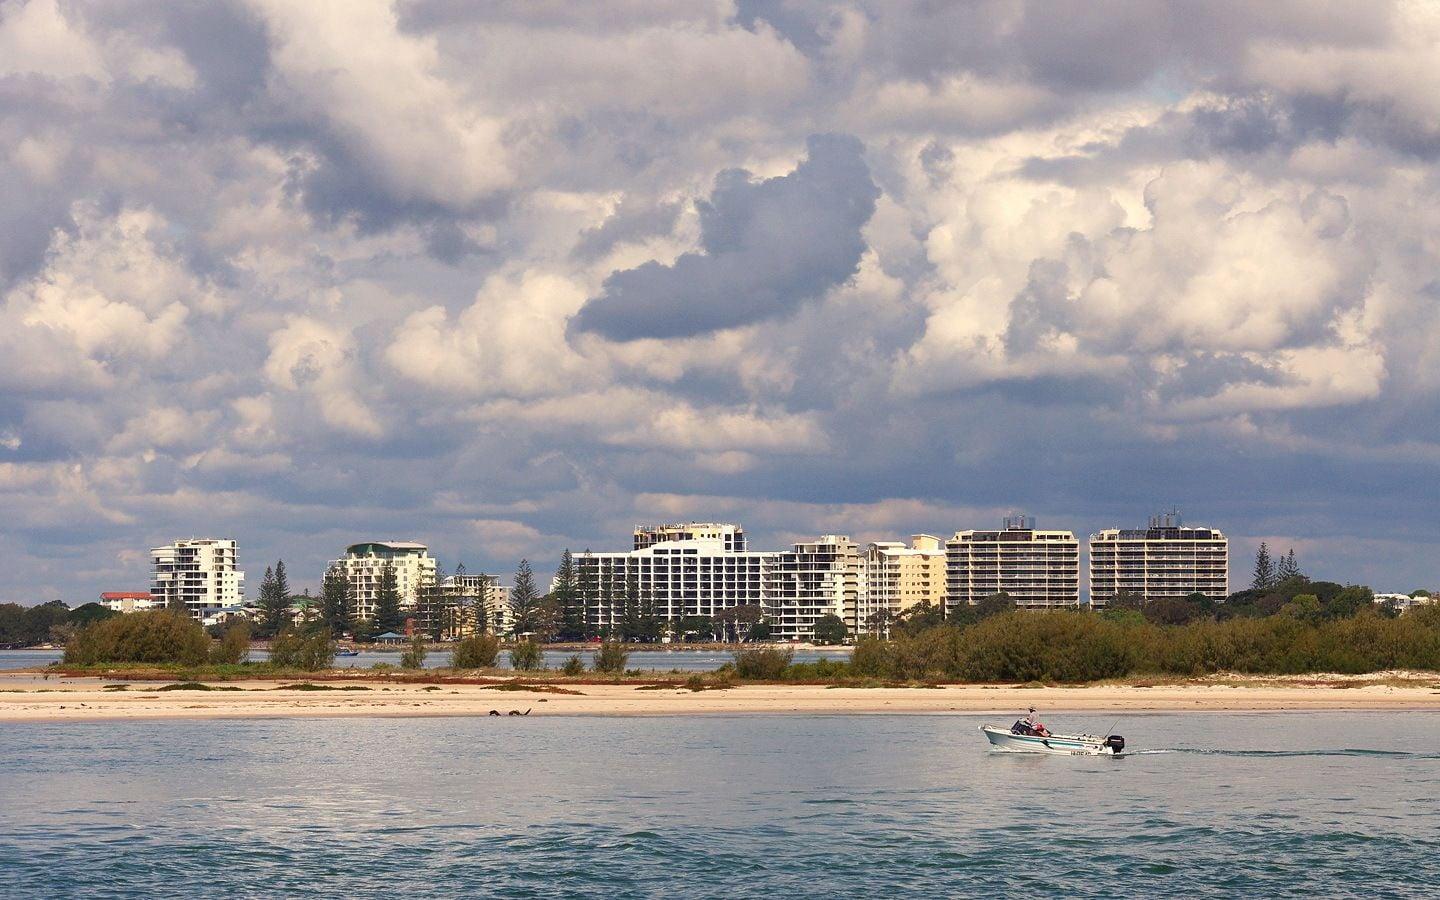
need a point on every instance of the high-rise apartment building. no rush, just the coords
(678, 570)
(897, 577)
(1037, 569)
(1167, 559)
(810, 580)
(364, 563)
(449, 608)
(198, 575)
(704, 569)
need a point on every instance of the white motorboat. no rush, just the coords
(1021, 740)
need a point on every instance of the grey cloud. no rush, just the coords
(767, 247)
(632, 220)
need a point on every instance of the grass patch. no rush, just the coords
(530, 688)
(116, 687)
(196, 686)
(311, 686)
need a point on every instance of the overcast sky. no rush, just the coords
(511, 277)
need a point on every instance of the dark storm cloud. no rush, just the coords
(768, 246)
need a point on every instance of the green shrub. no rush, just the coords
(414, 655)
(234, 646)
(763, 663)
(611, 658)
(154, 636)
(527, 657)
(574, 665)
(477, 652)
(873, 658)
(819, 670)
(309, 650)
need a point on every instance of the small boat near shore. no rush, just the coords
(1019, 741)
(347, 651)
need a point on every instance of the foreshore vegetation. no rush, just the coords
(1288, 627)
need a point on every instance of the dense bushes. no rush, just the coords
(156, 636)
(766, 663)
(477, 652)
(310, 650)
(414, 655)
(1076, 647)
(25, 626)
(611, 658)
(526, 656)
(234, 646)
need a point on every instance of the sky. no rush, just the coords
(512, 277)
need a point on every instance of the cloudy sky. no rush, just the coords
(514, 276)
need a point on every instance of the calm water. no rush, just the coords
(784, 806)
(662, 660)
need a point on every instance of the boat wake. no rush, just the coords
(1288, 754)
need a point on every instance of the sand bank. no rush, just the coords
(29, 698)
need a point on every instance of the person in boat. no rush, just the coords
(1031, 724)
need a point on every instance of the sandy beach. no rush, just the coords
(31, 698)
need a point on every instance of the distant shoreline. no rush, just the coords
(28, 697)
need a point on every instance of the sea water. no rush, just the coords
(1222, 804)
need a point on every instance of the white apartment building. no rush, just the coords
(1167, 559)
(811, 580)
(198, 574)
(700, 569)
(500, 619)
(1038, 569)
(363, 563)
(703, 569)
(897, 577)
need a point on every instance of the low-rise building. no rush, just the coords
(897, 577)
(1037, 569)
(1402, 602)
(363, 565)
(128, 601)
(1166, 559)
(197, 574)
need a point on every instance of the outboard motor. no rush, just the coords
(1116, 743)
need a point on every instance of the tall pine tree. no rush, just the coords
(1287, 567)
(1264, 569)
(525, 600)
(337, 603)
(387, 601)
(273, 604)
(567, 597)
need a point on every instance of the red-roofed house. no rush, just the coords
(128, 601)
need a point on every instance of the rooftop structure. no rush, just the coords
(731, 537)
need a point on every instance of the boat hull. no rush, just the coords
(1065, 744)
